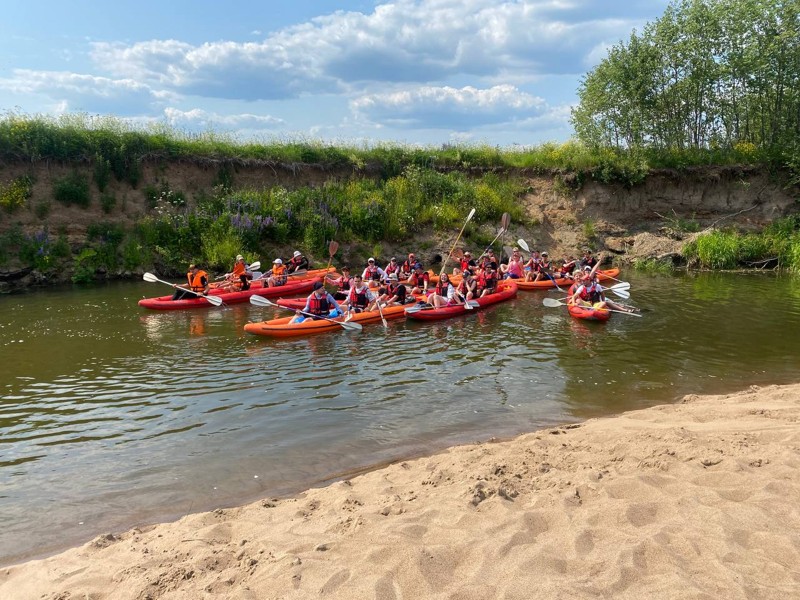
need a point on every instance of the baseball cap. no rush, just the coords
(545, 253)
(417, 266)
(296, 253)
(192, 266)
(278, 261)
(317, 285)
(239, 257)
(370, 259)
(393, 276)
(467, 253)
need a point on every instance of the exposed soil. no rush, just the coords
(645, 221)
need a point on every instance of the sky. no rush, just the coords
(412, 72)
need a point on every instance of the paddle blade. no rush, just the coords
(622, 293)
(473, 304)
(624, 285)
(552, 302)
(505, 221)
(332, 248)
(215, 300)
(255, 266)
(149, 277)
(469, 217)
(350, 326)
(259, 301)
(523, 244)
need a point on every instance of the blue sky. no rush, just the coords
(423, 72)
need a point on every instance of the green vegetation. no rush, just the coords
(72, 189)
(779, 243)
(653, 266)
(15, 194)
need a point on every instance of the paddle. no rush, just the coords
(260, 301)
(444, 265)
(552, 303)
(267, 274)
(505, 221)
(469, 305)
(524, 245)
(380, 310)
(254, 267)
(333, 246)
(215, 300)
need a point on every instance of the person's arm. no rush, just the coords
(576, 295)
(332, 300)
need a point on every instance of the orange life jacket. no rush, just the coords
(239, 269)
(196, 281)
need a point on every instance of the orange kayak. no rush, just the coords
(282, 328)
(545, 284)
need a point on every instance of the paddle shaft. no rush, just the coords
(449, 254)
(149, 277)
(259, 301)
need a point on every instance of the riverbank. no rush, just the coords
(695, 499)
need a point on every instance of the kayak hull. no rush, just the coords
(257, 289)
(547, 284)
(281, 328)
(586, 313)
(506, 290)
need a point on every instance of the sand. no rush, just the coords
(698, 499)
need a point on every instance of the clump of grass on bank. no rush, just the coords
(778, 244)
(653, 266)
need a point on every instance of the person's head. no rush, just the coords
(319, 289)
(277, 261)
(393, 277)
(444, 278)
(240, 258)
(411, 257)
(297, 253)
(394, 260)
(357, 279)
(193, 268)
(345, 270)
(467, 254)
(418, 268)
(587, 252)
(371, 261)
(544, 255)
(490, 252)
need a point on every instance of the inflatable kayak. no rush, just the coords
(545, 284)
(588, 313)
(506, 290)
(257, 288)
(282, 328)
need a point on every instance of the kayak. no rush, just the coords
(257, 288)
(300, 303)
(588, 313)
(506, 290)
(282, 328)
(544, 284)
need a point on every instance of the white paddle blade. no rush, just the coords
(350, 325)
(215, 300)
(624, 285)
(523, 244)
(259, 301)
(552, 302)
(622, 293)
(255, 266)
(150, 278)
(471, 214)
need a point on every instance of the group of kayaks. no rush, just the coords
(302, 284)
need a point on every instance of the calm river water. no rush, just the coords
(113, 416)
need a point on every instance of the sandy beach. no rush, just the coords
(698, 499)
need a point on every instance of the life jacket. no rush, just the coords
(419, 279)
(391, 268)
(344, 283)
(408, 267)
(397, 289)
(297, 260)
(358, 299)
(279, 272)
(442, 287)
(196, 281)
(568, 267)
(318, 305)
(372, 273)
(544, 266)
(590, 293)
(489, 281)
(239, 269)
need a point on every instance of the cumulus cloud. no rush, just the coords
(448, 107)
(199, 118)
(85, 92)
(421, 41)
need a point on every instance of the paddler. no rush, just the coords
(298, 262)
(238, 278)
(320, 304)
(590, 293)
(395, 292)
(444, 294)
(197, 281)
(278, 275)
(373, 273)
(419, 280)
(343, 283)
(360, 298)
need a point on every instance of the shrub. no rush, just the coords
(107, 202)
(72, 189)
(14, 194)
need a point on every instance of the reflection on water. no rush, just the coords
(112, 416)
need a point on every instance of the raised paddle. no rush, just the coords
(254, 267)
(444, 264)
(505, 221)
(215, 300)
(469, 304)
(260, 301)
(333, 246)
(552, 303)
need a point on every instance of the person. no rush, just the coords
(373, 273)
(466, 263)
(444, 294)
(392, 267)
(395, 292)
(468, 286)
(513, 270)
(278, 275)
(407, 268)
(567, 267)
(298, 262)
(419, 280)
(320, 304)
(588, 260)
(487, 281)
(238, 278)
(197, 281)
(360, 299)
(531, 268)
(489, 259)
(543, 268)
(343, 284)
(589, 292)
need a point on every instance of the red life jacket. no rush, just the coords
(391, 268)
(358, 299)
(344, 283)
(372, 273)
(397, 289)
(318, 305)
(441, 288)
(590, 293)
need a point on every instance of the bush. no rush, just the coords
(72, 189)
(107, 202)
(14, 194)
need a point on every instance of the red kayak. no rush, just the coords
(587, 313)
(506, 290)
(256, 289)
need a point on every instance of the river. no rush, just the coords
(112, 416)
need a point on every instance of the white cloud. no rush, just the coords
(199, 118)
(448, 107)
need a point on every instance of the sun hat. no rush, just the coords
(239, 257)
(278, 261)
(296, 253)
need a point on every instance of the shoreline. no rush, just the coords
(691, 499)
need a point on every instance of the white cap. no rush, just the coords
(297, 253)
(370, 259)
(278, 261)
(393, 276)
(239, 257)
